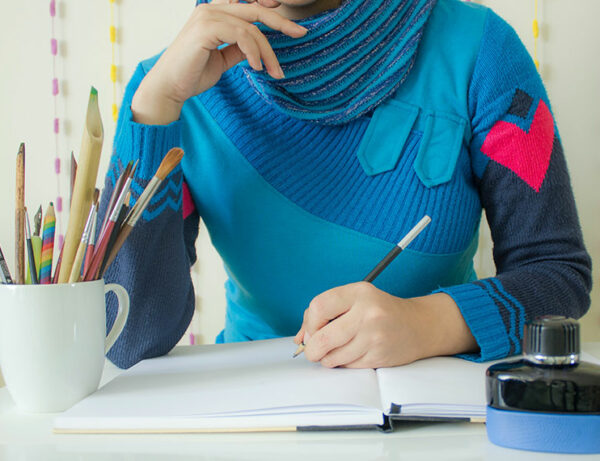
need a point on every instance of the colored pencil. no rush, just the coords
(85, 184)
(402, 244)
(4, 270)
(47, 245)
(31, 259)
(170, 161)
(20, 217)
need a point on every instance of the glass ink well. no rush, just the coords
(549, 400)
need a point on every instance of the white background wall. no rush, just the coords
(569, 47)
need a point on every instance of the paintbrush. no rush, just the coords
(170, 161)
(116, 192)
(105, 234)
(89, 252)
(76, 270)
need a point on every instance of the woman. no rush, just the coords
(313, 146)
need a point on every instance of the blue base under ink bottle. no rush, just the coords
(549, 400)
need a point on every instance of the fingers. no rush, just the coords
(256, 13)
(349, 354)
(223, 28)
(232, 23)
(332, 336)
(328, 306)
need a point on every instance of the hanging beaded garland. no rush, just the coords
(536, 35)
(113, 65)
(56, 124)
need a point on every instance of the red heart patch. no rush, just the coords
(527, 154)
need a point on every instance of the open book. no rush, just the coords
(259, 386)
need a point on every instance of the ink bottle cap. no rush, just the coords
(549, 400)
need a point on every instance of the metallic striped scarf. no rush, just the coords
(350, 61)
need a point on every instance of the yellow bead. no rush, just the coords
(537, 64)
(113, 73)
(113, 34)
(111, 1)
(536, 29)
(115, 112)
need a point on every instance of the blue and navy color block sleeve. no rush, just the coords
(153, 264)
(519, 165)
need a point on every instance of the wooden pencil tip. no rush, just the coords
(170, 161)
(21, 149)
(96, 195)
(93, 92)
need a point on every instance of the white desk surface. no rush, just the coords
(30, 437)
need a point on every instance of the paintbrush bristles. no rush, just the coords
(170, 161)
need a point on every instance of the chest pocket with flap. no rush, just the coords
(389, 129)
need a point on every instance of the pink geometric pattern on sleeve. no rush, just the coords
(188, 202)
(527, 154)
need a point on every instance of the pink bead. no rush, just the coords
(53, 47)
(56, 125)
(192, 339)
(54, 86)
(59, 203)
(52, 8)
(61, 240)
(57, 165)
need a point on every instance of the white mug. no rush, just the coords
(53, 341)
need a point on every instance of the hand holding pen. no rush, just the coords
(351, 324)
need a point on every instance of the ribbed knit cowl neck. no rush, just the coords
(351, 59)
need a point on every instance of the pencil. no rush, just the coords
(47, 245)
(378, 269)
(85, 184)
(167, 165)
(30, 256)
(4, 271)
(20, 217)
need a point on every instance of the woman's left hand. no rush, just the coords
(360, 326)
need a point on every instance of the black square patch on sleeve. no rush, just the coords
(521, 104)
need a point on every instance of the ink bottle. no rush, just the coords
(549, 400)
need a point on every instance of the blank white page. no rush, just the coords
(442, 386)
(255, 381)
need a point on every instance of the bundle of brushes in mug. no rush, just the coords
(82, 257)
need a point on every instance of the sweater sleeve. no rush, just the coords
(154, 263)
(542, 266)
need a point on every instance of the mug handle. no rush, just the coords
(122, 314)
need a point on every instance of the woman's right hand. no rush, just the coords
(193, 63)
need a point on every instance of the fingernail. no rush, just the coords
(280, 73)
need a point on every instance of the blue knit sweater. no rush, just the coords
(295, 208)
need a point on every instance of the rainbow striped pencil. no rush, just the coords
(47, 245)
